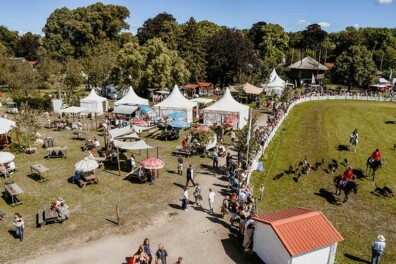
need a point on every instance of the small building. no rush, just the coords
(302, 70)
(199, 89)
(295, 236)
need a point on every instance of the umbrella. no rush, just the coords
(202, 128)
(86, 165)
(231, 120)
(6, 125)
(145, 108)
(177, 115)
(6, 157)
(140, 122)
(178, 123)
(152, 163)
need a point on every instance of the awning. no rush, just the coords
(118, 132)
(125, 109)
(145, 108)
(74, 110)
(141, 144)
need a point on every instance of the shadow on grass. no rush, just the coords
(179, 185)
(13, 233)
(390, 122)
(176, 206)
(111, 221)
(36, 177)
(329, 196)
(357, 259)
(359, 174)
(343, 148)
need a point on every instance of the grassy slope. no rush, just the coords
(316, 129)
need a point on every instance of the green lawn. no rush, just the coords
(317, 129)
(92, 208)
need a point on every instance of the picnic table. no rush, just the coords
(87, 179)
(52, 150)
(12, 190)
(46, 215)
(79, 135)
(38, 169)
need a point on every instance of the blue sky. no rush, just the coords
(292, 15)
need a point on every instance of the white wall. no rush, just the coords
(268, 246)
(320, 256)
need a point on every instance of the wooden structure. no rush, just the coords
(46, 215)
(12, 190)
(302, 70)
(38, 169)
(53, 152)
(200, 89)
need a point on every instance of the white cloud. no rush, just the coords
(324, 24)
(303, 22)
(356, 26)
(383, 2)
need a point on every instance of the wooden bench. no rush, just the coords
(135, 174)
(81, 183)
(40, 218)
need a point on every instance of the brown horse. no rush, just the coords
(347, 188)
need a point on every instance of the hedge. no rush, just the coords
(38, 103)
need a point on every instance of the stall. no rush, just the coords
(94, 103)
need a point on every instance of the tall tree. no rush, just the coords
(156, 27)
(229, 54)
(256, 33)
(192, 50)
(8, 39)
(28, 123)
(28, 46)
(354, 67)
(312, 37)
(21, 77)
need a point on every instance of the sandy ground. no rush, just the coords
(195, 235)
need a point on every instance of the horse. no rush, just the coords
(373, 166)
(347, 188)
(354, 140)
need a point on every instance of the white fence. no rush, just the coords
(309, 99)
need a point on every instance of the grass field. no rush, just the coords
(92, 208)
(318, 129)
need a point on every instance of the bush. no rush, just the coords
(38, 103)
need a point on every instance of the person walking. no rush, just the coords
(161, 255)
(232, 135)
(132, 162)
(190, 175)
(377, 249)
(211, 199)
(20, 225)
(198, 194)
(185, 199)
(180, 166)
(215, 160)
(147, 250)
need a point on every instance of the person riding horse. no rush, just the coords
(375, 157)
(354, 139)
(374, 162)
(346, 177)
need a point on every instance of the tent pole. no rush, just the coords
(157, 152)
(118, 161)
(147, 153)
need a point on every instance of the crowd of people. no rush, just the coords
(145, 255)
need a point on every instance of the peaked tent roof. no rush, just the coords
(276, 83)
(273, 75)
(227, 103)
(301, 230)
(308, 64)
(176, 100)
(93, 97)
(251, 89)
(6, 125)
(131, 98)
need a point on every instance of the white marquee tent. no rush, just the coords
(131, 98)
(226, 106)
(275, 84)
(94, 103)
(175, 102)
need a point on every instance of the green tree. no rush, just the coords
(130, 65)
(8, 39)
(27, 46)
(73, 78)
(256, 33)
(21, 77)
(229, 54)
(156, 27)
(354, 67)
(28, 123)
(312, 37)
(241, 144)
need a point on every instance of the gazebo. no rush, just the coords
(275, 84)
(226, 106)
(302, 70)
(131, 98)
(175, 102)
(94, 103)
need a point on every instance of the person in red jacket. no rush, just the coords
(376, 156)
(346, 177)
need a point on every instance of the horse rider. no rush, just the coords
(346, 177)
(376, 156)
(354, 136)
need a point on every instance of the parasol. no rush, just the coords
(6, 157)
(178, 123)
(202, 128)
(177, 115)
(152, 163)
(86, 165)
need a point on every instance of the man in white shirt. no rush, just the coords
(377, 248)
(211, 199)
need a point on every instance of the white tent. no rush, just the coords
(137, 145)
(131, 98)
(226, 106)
(275, 84)
(74, 110)
(6, 125)
(119, 132)
(175, 102)
(94, 103)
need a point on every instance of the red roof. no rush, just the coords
(301, 230)
(205, 84)
(190, 86)
(329, 65)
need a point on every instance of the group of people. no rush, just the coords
(61, 208)
(144, 255)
